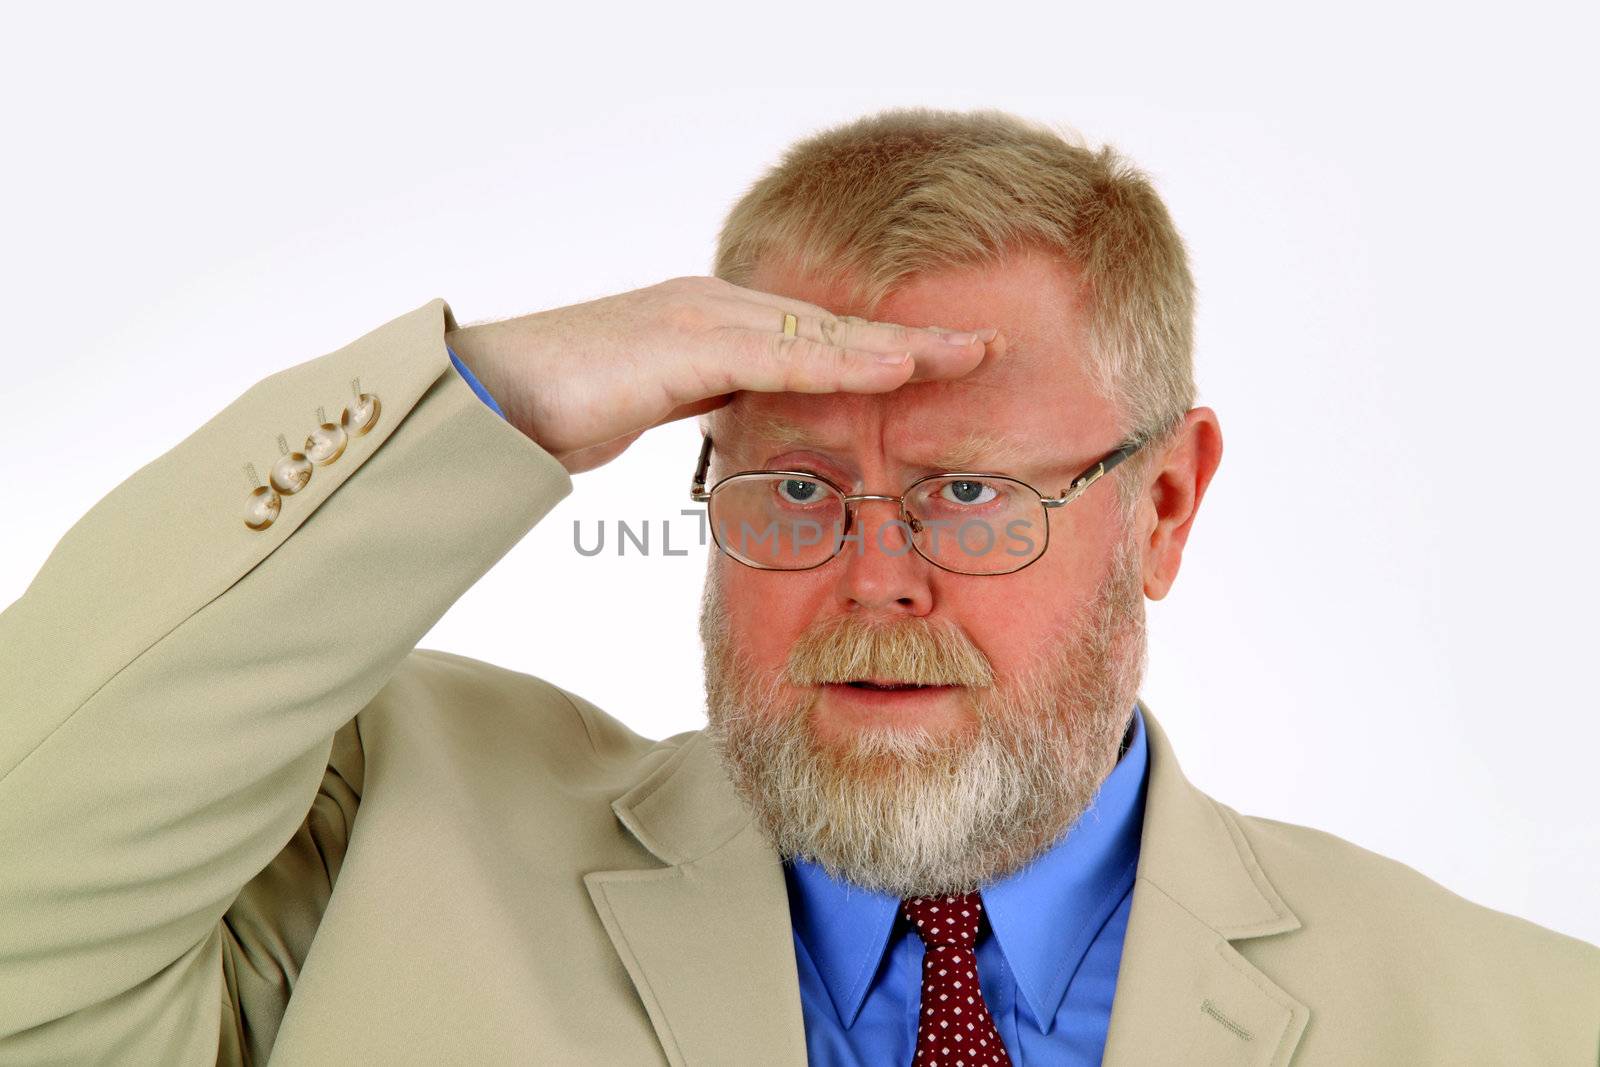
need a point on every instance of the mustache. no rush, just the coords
(847, 649)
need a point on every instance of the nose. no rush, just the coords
(881, 571)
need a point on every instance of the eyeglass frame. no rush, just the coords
(1075, 488)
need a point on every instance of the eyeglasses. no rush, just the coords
(967, 522)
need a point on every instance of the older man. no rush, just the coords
(929, 820)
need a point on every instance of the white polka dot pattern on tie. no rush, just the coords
(953, 1025)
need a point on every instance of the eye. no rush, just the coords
(967, 492)
(800, 490)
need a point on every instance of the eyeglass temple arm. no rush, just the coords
(697, 488)
(1099, 469)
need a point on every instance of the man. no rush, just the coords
(241, 814)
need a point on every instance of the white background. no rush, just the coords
(1384, 624)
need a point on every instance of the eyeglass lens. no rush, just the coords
(967, 525)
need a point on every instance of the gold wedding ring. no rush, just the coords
(789, 324)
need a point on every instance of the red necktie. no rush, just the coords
(954, 1028)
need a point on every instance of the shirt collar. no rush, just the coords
(1044, 916)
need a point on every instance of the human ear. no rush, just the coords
(1174, 494)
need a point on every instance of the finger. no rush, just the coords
(776, 363)
(772, 363)
(830, 353)
(936, 351)
(955, 364)
(765, 311)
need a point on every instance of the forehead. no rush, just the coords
(1031, 397)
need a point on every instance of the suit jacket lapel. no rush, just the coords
(707, 939)
(708, 944)
(1184, 993)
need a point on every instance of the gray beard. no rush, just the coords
(906, 812)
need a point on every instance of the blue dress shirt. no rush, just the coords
(477, 386)
(1047, 965)
(1047, 962)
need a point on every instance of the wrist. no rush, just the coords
(482, 350)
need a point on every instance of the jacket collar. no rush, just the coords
(1182, 986)
(708, 943)
(706, 939)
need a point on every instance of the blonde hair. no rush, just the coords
(912, 191)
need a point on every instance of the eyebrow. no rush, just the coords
(986, 449)
(968, 452)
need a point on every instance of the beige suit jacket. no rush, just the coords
(241, 813)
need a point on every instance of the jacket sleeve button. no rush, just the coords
(326, 443)
(263, 508)
(291, 473)
(360, 415)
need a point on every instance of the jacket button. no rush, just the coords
(263, 508)
(291, 473)
(360, 416)
(326, 443)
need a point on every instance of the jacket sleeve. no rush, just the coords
(178, 761)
